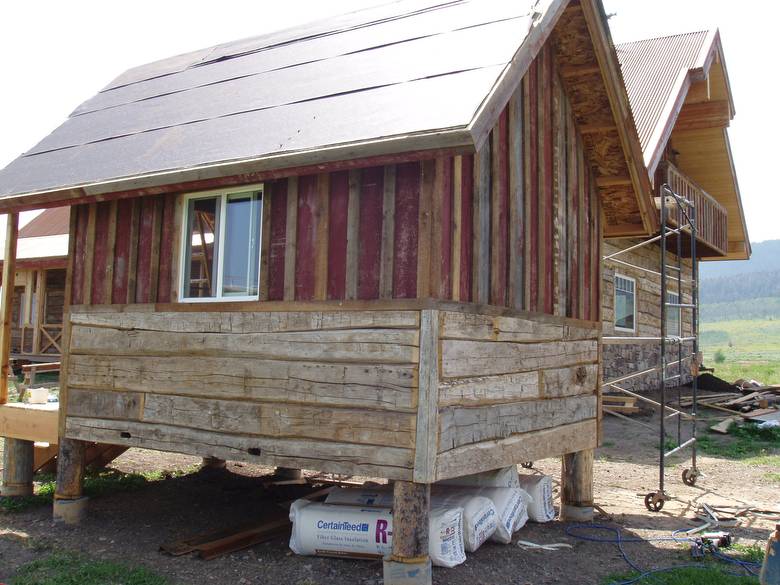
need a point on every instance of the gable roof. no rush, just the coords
(52, 222)
(679, 89)
(410, 76)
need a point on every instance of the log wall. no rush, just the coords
(335, 390)
(626, 356)
(516, 224)
(514, 388)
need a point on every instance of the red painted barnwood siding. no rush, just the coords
(277, 194)
(337, 238)
(467, 227)
(557, 205)
(370, 232)
(407, 206)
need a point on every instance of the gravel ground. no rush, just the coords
(130, 526)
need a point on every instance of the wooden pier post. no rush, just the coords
(577, 486)
(69, 500)
(18, 468)
(410, 563)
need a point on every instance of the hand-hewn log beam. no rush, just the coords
(6, 302)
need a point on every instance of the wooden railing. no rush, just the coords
(711, 216)
(25, 340)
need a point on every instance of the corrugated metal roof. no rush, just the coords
(652, 69)
(52, 222)
(394, 72)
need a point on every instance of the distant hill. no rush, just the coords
(765, 258)
(742, 289)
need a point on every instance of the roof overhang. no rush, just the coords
(695, 124)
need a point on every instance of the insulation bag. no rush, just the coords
(539, 487)
(511, 508)
(503, 477)
(480, 519)
(367, 533)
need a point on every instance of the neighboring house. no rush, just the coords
(39, 286)
(367, 245)
(680, 96)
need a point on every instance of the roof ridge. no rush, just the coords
(676, 35)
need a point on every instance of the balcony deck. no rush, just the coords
(711, 216)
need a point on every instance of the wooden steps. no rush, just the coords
(619, 403)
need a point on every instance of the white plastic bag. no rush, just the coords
(340, 531)
(314, 531)
(539, 487)
(480, 519)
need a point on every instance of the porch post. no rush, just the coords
(577, 488)
(410, 563)
(69, 501)
(6, 302)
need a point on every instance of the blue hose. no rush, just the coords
(617, 538)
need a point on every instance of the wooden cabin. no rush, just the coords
(39, 287)
(384, 261)
(682, 119)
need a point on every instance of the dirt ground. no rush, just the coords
(130, 526)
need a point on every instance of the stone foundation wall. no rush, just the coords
(622, 359)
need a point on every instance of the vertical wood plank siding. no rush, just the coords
(516, 224)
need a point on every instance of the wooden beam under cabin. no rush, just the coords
(6, 302)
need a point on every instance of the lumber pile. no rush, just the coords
(749, 400)
(619, 403)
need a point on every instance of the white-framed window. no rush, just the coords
(673, 321)
(625, 303)
(221, 236)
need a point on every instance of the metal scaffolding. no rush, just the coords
(672, 346)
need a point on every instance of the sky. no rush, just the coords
(55, 55)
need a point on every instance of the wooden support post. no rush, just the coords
(577, 487)
(69, 503)
(410, 563)
(6, 303)
(18, 467)
(288, 473)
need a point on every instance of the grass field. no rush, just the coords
(751, 349)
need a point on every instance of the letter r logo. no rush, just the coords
(381, 531)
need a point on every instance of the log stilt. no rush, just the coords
(410, 563)
(18, 468)
(69, 501)
(288, 473)
(577, 486)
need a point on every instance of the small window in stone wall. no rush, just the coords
(625, 303)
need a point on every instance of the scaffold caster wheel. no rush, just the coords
(654, 501)
(689, 476)
(527, 464)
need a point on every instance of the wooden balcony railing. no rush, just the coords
(711, 216)
(45, 339)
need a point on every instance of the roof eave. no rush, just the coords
(621, 110)
(421, 144)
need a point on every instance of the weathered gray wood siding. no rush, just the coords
(514, 388)
(331, 390)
